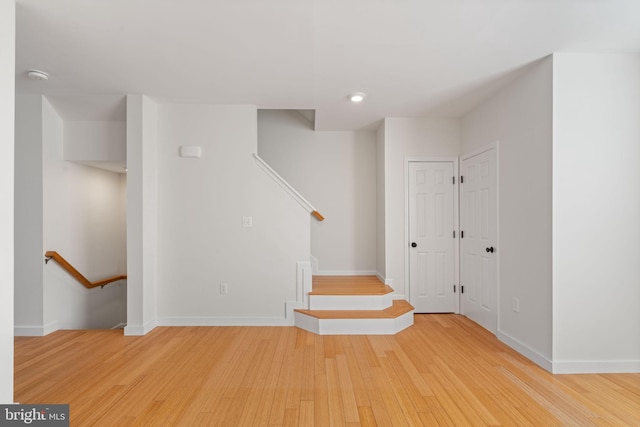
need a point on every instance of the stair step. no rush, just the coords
(349, 293)
(340, 285)
(398, 308)
(389, 321)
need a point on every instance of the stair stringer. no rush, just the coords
(304, 283)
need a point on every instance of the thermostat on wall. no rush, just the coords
(190, 151)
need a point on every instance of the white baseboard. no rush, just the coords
(345, 273)
(384, 280)
(120, 325)
(137, 330)
(225, 321)
(572, 366)
(527, 352)
(36, 331)
(596, 367)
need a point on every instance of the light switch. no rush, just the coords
(247, 221)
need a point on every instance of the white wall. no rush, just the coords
(519, 118)
(142, 214)
(29, 299)
(201, 241)
(69, 208)
(336, 173)
(7, 79)
(596, 226)
(82, 221)
(95, 141)
(381, 267)
(406, 137)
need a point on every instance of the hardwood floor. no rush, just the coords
(349, 285)
(445, 370)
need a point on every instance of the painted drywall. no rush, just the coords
(403, 138)
(95, 141)
(519, 119)
(69, 208)
(83, 222)
(29, 299)
(596, 244)
(7, 91)
(381, 268)
(336, 173)
(142, 214)
(201, 239)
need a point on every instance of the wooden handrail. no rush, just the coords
(53, 255)
(318, 215)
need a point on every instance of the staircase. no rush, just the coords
(353, 305)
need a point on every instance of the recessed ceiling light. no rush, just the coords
(357, 96)
(37, 75)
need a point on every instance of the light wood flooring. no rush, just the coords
(445, 370)
(349, 285)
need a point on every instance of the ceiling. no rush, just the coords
(411, 57)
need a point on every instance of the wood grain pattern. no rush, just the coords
(398, 308)
(77, 275)
(443, 371)
(349, 285)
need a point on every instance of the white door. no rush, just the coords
(431, 237)
(478, 227)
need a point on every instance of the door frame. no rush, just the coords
(491, 146)
(456, 223)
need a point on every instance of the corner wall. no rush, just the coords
(336, 173)
(519, 118)
(28, 228)
(381, 262)
(72, 209)
(596, 217)
(142, 214)
(7, 106)
(202, 242)
(82, 220)
(403, 138)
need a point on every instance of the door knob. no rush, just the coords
(490, 249)
(414, 244)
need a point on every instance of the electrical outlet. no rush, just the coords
(516, 305)
(224, 288)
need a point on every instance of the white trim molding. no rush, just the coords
(385, 280)
(284, 184)
(225, 321)
(138, 330)
(35, 330)
(527, 352)
(346, 273)
(596, 367)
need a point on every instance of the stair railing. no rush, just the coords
(288, 188)
(53, 255)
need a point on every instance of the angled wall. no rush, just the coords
(519, 118)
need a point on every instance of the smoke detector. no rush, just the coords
(37, 75)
